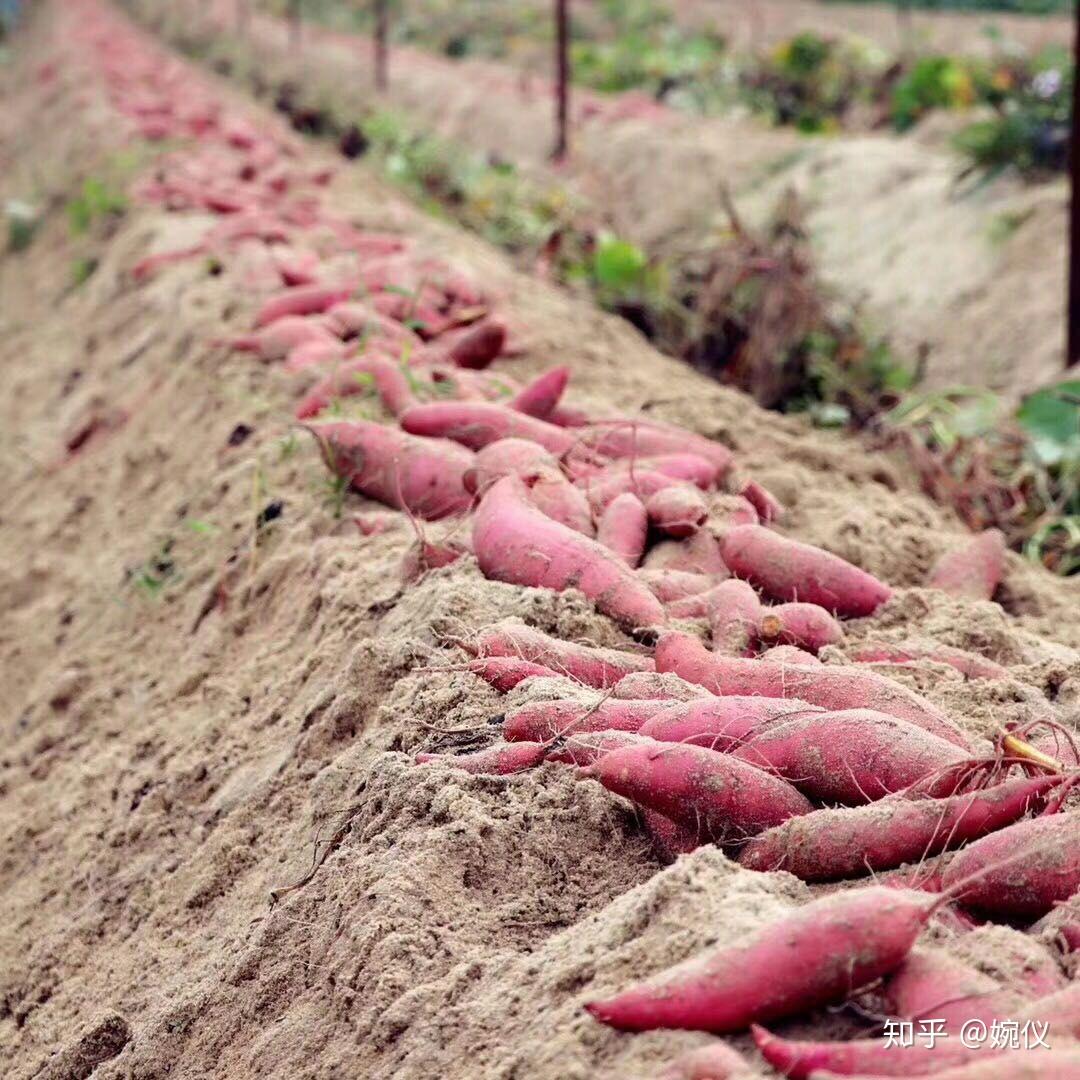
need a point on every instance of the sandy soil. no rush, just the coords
(968, 272)
(172, 754)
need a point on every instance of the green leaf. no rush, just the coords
(618, 264)
(1052, 418)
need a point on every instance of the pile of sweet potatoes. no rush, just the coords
(720, 723)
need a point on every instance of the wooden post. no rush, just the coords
(562, 80)
(1072, 332)
(382, 34)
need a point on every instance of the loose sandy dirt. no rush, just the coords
(173, 752)
(968, 272)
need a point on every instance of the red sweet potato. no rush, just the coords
(516, 543)
(672, 585)
(849, 757)
(735, 615)
(788, 654)
(354, 377)
(805, 625)
(423, 476)
(829, 844)
(724, 799)
(274, 342)
(475, 424)
(425, 555)
(623, 527)
(498, 760)
(678, 510)
(768, 506)
(505, 672)
(540, 397)
(644, 438)
(974, 570)
(542, 721)
(722, 723)
(600, 488)
(649, 684)
(669, 838)
(907, 652)
(301, 300)
(1020, 872)
(818, 954)
(479, 344)
(788, 570)
(1061, 1010)
(506, 457)
(832, 687)
(698, 555)
(596, 667)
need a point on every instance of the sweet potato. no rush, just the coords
(644, 438)
(313, 354)
(678, 510)
(692, 468)
(475, 424)
(789, 570)
(601, 488)
(768, 506)
(354, 377)
(727, 512)
(506, 457)
(831, 844)
(907, 652)
(1061, 1010)
(722, 723)
(478, 345)
(672, 585)
(735, 616)
(799, 1060)
(355, 319)
(850, 757)
(669, 838)
(623, 527)
(423, 476)
(301, 300)
(974, 570)
(698, 555)
(723, 799)
(516, 543)
(542, 721)
(498, 760)
(274, 342)
(804, 625)
(505, 672)
(425, 555)
(540, 397)
(717, 1061)
(832, 687)
(818, 954)
(1020, 872)
(596, 667)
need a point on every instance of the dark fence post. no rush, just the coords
(562, 80)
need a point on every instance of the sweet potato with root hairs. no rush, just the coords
(678, 510)
(424, 555)
(820, 953)
(516, 543)
(969, 664)
(1061, 1010)
(478, 345)
(974, 570)
(276, 341)
(313, 354)
(1035, 1064)
(851, 757)
(596, 667)
(354, 319)
(672, 585)
(423, 476)
(789, 654)
(698, 555)
(832, 687)
(1020, 872)
(540, 397)
(801, 1059)
(718, 1061)
(831, 844)
(804, 625)
(725, 800)
(475, 424)
(768, 506)
(505, 672)
(387, 379)
(734, 612)
(722, 723)
(601, 488)
(643, 685)
(301, 300)
(498, 760)
(506, 457)
(692, 468)
(669, 838)
(789, 570)
(623, 527)
(645, 438)
(541, 721)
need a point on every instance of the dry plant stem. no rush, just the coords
(1018, 748)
